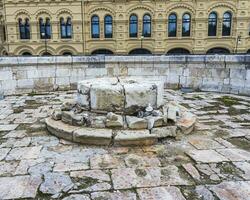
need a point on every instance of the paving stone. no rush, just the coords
(245, 167)
(77, 197)
(55, 183)
(24, 165)
(8, 127)
(40, 169)
(7, 168)
(105, 162)
(192, 171)
(232, 190)
(235, 154)
(204, 143)
(206, 156)
(4, 152)
(19, 187)
(146, 177)
(94, 174)
(16, 134)
(204, 193)
(160, 193)
(70, 166)
(224, 143)
(133, 160)
(24, 153)
(116, 195)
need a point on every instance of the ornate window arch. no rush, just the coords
(24, 28)
(108, 26)
(212, 24)
(172, 25)
(186, 25)
(227, 24)
(66, 28)
(95, 26)
(133, 26)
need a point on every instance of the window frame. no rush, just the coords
(172, 21)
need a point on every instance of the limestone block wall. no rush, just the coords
(220, 73)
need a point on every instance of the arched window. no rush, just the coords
(172, 25)
(212, 24)
(227, 22)
(45, 28)
(66, 28)
(95, 28)
(146, 26)
(69, 28)
(133, 26)
(24, 29)
(108, 28)
(186, 25)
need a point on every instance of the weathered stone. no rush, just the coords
(94, 174)
(19, 187)
(116, 195)
(8, 168)
(206, 156)
(163, 132)
(173, 112)
(232, 190)
(146, 177)
(67, 117)
(8, 127)
(68, 105)
(98, 122)
(107, 97)
(16, 134)
(204, 193)
(70, 166)
(57, 114)
(105, 162)
(114, 121)
(134, 137)
(133, 160)
(245, 167)
(40, 169)
(93, 136)
(55, 183)
(136, 123)
(60, 129)
(235, 154)
(24, 153)
(77, 197)
(205, 143)
(186, 123)
(160, 193)
(192, 171)
(4, 152)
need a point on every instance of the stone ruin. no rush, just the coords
(120, 111)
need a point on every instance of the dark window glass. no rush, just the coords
(172, 25)
(108, 28)
(227, 21)
(69, 28)
(95, 29)
(4, 34)
(212, 24)
(63, 28)
(146, 26)
(186, 25)
(24, 29)
(45, 28)
(133, 26)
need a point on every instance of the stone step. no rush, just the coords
(95, 136)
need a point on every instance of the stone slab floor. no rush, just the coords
(211, 164)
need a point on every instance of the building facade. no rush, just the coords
(122, 27)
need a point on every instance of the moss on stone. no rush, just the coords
(140, 172)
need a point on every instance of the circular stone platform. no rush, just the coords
(120, 111)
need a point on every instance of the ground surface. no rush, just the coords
(212, 163)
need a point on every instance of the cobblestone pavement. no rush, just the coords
(213, 163)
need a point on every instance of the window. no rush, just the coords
(95, 29)
(227, 21)
(45, 28)
(133, 26)
(212, 24)
(66, 28)
(186, 25)
(24, 29)
(172, 25)
(108, 29)
(146, 26)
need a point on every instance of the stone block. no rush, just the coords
(93, 136)
(238, 73)
(163, 132)
(136, 123)
(25, 83)
(134, 138)
(114, 121)
(6, 75)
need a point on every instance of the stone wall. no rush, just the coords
(229, 74)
